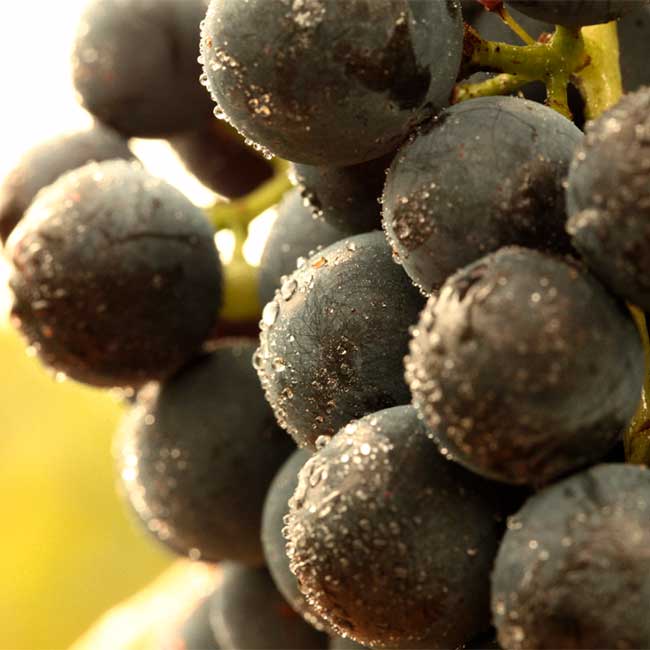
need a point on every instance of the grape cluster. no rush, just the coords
(431, 435)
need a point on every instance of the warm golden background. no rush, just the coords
(68, 550)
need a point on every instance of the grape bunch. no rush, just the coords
(427, 426)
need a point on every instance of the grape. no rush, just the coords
(491, 27)
(115, 275)
(276, 507)
(216, 155)
(346, 197)
(294, 234)
(249, 613)
(134, 65)
(198, 454)
(342, 643)
(471, 9)
(326, 82)
(195, 632)
(45, 162)
(334, 336)
(573, 570)
(524, 367)
(576, 13)
(391, 543)
(608, 198)
(485, 642)
(489, 172)
(633, 35)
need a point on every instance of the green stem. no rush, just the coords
(240, 300)
(553, 62)
(240, 212)
(600, 81)
(501, 84)
(562, 54)
(508, 19)
(637, 436)
(556, 95)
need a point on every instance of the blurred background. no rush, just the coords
(69, 549)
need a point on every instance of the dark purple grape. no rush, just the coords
(391, 543)
(576, 13)
(216, 154)
(330, 82)
(115, 275)
(134, 65)
(194, 633)
(44, 163)
(608, 198)
(295, 234)
(487, 173)
(524, 367)
(276, 508)
(633, 36)
(197, 455)
(334, 337)
(247, 612)
(346, 197)
(573, 568)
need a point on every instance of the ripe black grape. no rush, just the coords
(488, 173)
(573, 570)
(294, 234)
(326, 82)
(524, 367)
(218, 157)
(608, 198)
(44, 163)
(249, 613)
(334, 337)
(576, 13)
(634, 35)
(346, 197)
(198, 453)
(194, 633)
(391, 543)
(343, 643)
(276, 507)
(491, 27)
(134, 65)
(115, 275)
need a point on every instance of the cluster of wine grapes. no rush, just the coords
(445, 334)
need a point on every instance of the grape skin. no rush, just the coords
(608, 198)
(391, 543)
(346, 197)
(216, 155)
(634, 35)
(334, 337)
(276, 507)
(294, 234)
(524, 367)
(488, 173)
(115, 275)
(134, 65)
(194, 633)
(198, 453)
(45, 162)
(585, 543)
(247, 612)
(326, 82)
(576, 13)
